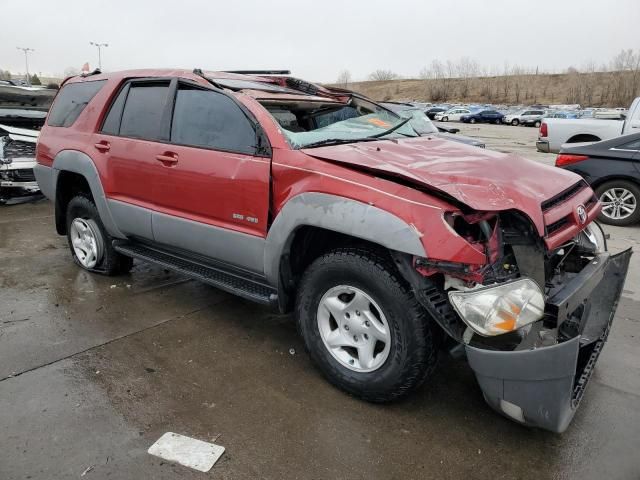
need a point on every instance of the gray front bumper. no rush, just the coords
(543, 387)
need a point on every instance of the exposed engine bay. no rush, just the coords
(515, 253)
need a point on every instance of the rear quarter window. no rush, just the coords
(71, 101)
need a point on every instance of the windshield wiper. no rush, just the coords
(391, 130)
(338, 141)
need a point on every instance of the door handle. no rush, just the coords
(102, 146)
(168, 159)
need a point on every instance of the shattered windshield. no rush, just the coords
(308, 124)
(419, 121)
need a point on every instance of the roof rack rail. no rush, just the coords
(259, 72)
(200, 73)
(96, 71)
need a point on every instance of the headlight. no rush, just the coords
(594, 237)
(499, 309)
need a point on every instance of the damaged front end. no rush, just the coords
(533, 320)
(17, 160)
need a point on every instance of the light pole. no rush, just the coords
(99, 47)
(26, 61)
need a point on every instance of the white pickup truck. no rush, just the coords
(555, 132)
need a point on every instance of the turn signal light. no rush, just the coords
(566, 159)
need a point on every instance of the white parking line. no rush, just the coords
(187, 451)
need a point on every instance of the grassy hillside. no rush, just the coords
(610, 89)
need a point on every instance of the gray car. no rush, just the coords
(424, 126)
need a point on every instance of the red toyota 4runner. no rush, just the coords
(387, 246)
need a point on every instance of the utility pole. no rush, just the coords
(26, 61)
(99, 47)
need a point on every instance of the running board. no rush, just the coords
(217, 277)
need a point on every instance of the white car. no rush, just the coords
(555, 132)
(452, 115)
(525, 117)
(17, 159)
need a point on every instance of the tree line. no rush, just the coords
(616, 83)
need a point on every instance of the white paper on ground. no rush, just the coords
(187, 451)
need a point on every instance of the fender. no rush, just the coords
(339, 214)
(81, 163)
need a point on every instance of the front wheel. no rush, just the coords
(445, 119)
(619, 203)
(89, 242)
(473, 120)
(515, 122)
(363, 327)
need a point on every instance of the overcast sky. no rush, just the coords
(315, 39)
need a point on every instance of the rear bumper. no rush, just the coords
(543, 387)
(543, 146)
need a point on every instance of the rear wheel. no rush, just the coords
(515, 122)
(537, 124)
(619, 202)
(89, 242)
(363, 327)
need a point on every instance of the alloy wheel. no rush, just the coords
(618, 203)
(353, 328)
(86, 242)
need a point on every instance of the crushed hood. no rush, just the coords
(481, 179)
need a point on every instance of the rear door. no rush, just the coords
(215, 196)
(130, 139)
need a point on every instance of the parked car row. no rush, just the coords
(421, 123)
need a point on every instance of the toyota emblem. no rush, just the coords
(582, 214)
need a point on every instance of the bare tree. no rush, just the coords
(344, 79)
(381, 75)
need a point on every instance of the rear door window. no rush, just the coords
(204, 118)
(143, 110)
(71, 101)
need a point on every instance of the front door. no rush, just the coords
(215, 196)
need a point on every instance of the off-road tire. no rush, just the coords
(635, 191)
(112, 262)
(414, 337)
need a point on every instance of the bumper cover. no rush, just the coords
(543, 387)
(543, 146)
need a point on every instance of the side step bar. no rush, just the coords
(224, 280)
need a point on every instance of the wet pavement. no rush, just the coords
(93, 370)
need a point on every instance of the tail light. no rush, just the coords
(543, 130)
(565, 159)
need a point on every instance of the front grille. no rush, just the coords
(12, 149)
(557, 225)
(563, 196)
(23, 175)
